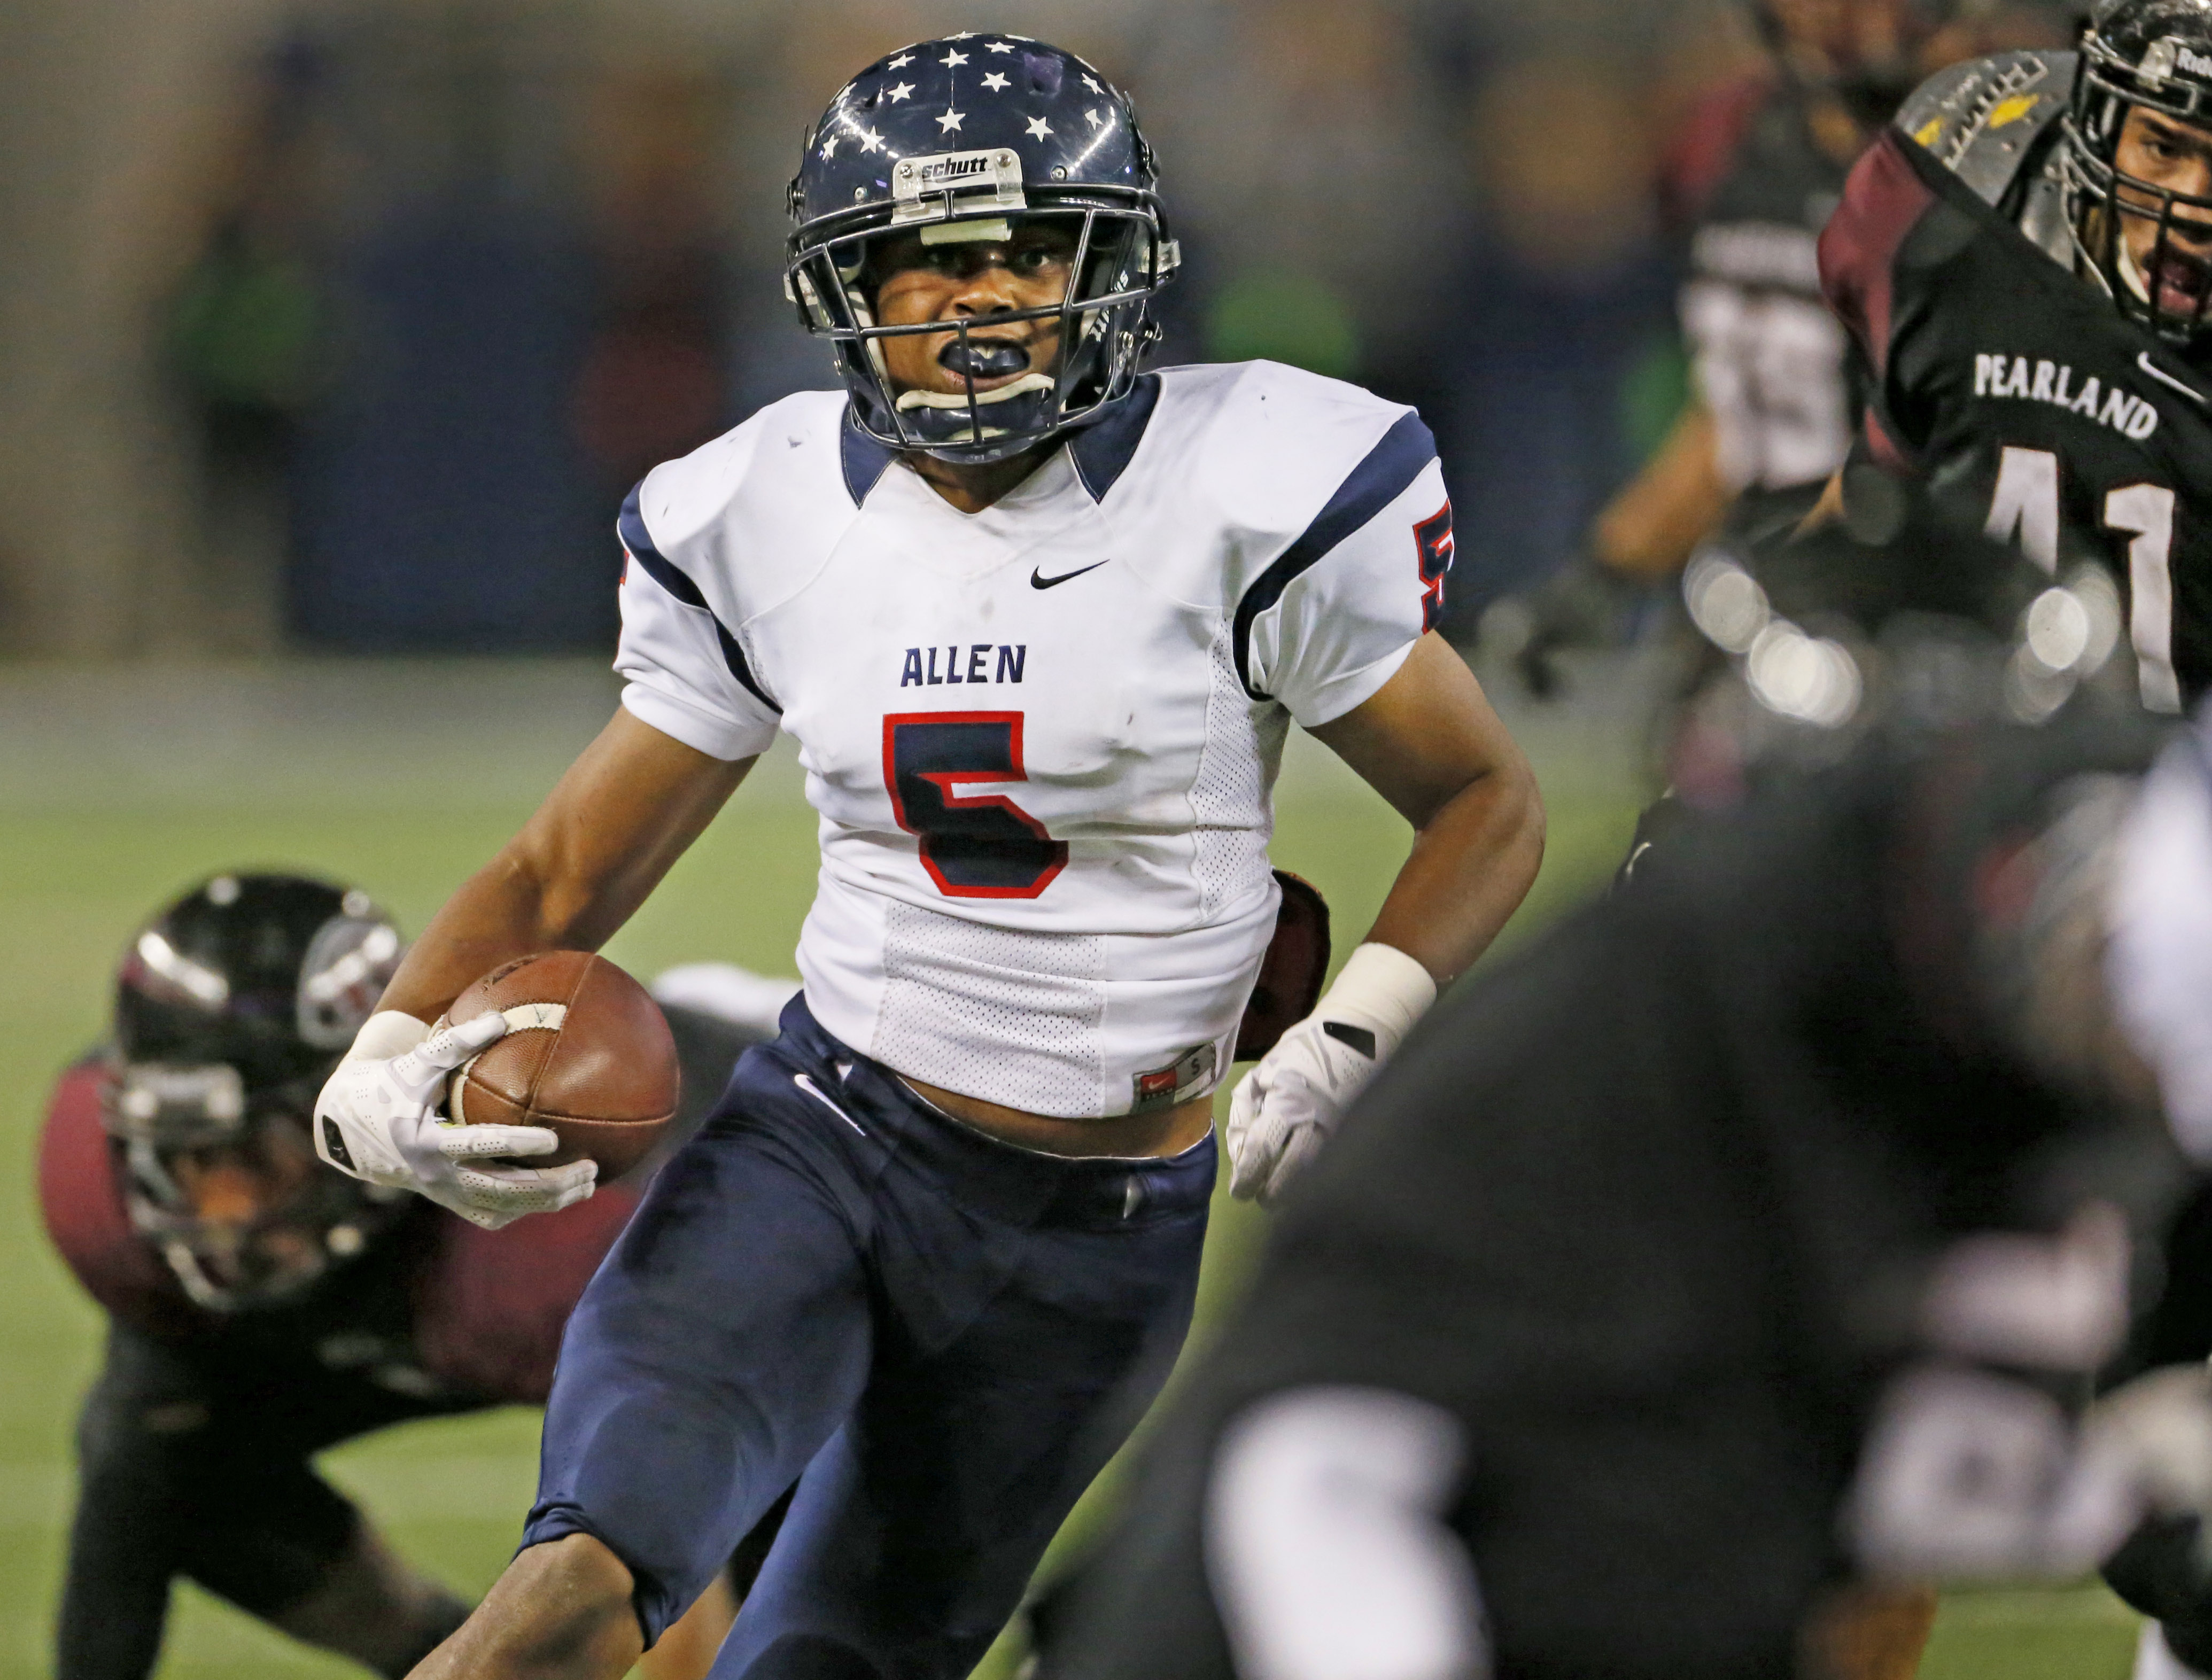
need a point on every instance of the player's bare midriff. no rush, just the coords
(1163, 1131)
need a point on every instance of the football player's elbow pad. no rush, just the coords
(377, 1119)
(1292, 1101)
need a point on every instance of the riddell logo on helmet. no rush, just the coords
(2192, 62)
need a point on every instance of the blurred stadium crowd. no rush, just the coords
(336, 322)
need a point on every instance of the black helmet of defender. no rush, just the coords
(959, 139)
(2156, 54)
(231, 1008)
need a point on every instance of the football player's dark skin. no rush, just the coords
(972, 280)
(1427, 742)
(2176, 157)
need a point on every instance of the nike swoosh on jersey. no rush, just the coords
(815, 1091)
(1038, 580)
(2143, 361)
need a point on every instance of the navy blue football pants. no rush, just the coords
(940, 1338)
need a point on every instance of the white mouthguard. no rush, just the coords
(938, 400)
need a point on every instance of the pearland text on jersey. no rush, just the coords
(2053, 382)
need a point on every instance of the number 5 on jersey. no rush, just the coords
(973, 845)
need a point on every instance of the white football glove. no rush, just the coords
(1293, 1099)
(377, 1119)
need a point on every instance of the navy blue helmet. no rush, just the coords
(964, 139)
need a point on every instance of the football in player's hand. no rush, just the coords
(588, 1053)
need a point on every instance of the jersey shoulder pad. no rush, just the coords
(1271, 435)
(758, 490)
(1270, 449)
(1981, 119)
(680, 498)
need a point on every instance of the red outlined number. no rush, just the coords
(973, 845)
(1432, 546)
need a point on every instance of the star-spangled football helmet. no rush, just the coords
(2157, 54)
(231, 1007)
(981, 129)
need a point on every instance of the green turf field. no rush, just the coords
(114, 794)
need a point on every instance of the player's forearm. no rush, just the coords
(615, 824)
(1470, 865)
(1429, 742)
(502, 912)
(1648, 530)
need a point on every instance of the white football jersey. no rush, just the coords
(1042, 739)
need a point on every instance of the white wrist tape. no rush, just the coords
(1383, 989)
(386, 1033)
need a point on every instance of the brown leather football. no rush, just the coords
(588, 1053)
(1291, 973)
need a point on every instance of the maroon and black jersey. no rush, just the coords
(2006, 379)
(1755, 187)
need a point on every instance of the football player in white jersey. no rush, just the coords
(1040, 622)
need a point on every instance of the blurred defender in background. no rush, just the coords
(2025, 260)
(262, 1308)
(1751, 181)
(1797, 1216)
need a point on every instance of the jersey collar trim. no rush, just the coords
(1102, 451)
(863, 458)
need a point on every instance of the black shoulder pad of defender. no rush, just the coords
(1981, 119)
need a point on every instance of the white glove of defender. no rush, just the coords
(1292, 1100)
(377, 1119)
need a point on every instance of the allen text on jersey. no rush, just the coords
(970, 663)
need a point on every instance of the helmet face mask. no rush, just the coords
(231, 1008)
(874, 179)
(239, 1209)
(2146, 70)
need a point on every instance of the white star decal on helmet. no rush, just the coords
(901, 62)
(1094, 117)
(1039, 128)
(829, 146)
(953, 60)
(870, 140)
(952, 120)
(964, 35)
(901, 92)
(995, 82)
(1092, 84)
(1000, 47)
